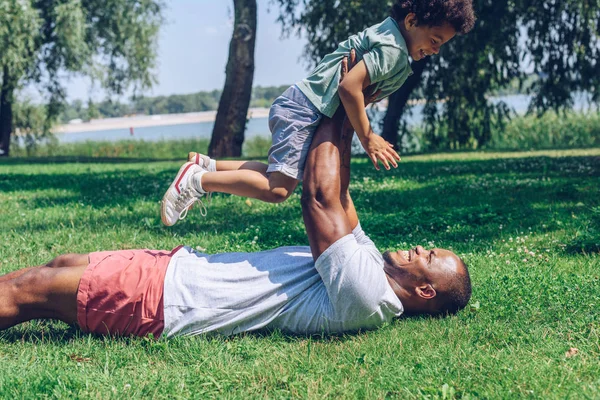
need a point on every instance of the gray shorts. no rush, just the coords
(293, 120)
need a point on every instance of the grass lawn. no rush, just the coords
(528, 225)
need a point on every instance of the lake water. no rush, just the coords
(255, 126)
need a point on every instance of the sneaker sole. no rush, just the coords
(163, 203)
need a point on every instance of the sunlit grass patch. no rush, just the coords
(526, 224)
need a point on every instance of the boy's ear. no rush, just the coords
(410, 21)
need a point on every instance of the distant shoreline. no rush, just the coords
(141, 121)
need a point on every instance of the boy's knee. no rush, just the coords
(281, 187)
(279, 195)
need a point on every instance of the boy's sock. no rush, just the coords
(212, 165)
(196, 181)
(203, 160)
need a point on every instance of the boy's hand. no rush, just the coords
(378, 149)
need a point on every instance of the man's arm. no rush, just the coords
(347, 132)
(327, 207)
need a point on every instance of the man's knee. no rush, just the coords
(44, 292)
(31, 286)
(69, 260)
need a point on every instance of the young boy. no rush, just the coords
(416, 29)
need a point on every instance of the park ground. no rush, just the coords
(527, 224)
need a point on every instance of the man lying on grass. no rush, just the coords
(344, 285)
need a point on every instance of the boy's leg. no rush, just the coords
(228, 165)
(275, 188)
(41, 292)
(245, 178)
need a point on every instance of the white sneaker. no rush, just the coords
(200, 159)
(203, 162)
(181, 195)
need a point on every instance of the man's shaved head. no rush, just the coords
(432, 281)
(456, 292)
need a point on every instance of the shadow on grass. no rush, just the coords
(98, 160)
(81, 160)
(477, 196)
(48, 331)
(41, 331)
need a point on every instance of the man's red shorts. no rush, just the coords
(121, 292)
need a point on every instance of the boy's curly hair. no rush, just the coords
(458, 13)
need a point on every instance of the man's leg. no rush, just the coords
(65, 260)
(45, 292)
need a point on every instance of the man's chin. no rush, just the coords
(387, 257)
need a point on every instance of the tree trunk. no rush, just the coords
(6, 117)
(398, 101)
(228, 133)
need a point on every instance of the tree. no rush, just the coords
(556, 40)
(230, 123)
(113, 41)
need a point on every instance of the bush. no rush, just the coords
(166, 149)
(258, 146)
(552, 130)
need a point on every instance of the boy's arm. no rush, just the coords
(347, 133)
(350, 91)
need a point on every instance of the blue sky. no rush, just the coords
(194, 45)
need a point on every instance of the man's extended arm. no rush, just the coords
(324, 217)
(347, 132)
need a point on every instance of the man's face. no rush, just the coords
(419, 265)
(423, 40)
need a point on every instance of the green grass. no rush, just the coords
(257, 146)
(528, 225)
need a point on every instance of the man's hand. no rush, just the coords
(347, 64)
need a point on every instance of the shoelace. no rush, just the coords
(185, 198)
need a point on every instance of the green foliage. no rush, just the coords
(524, 132)
(552, 130)
(258, 146)
(558, 40)
(19, 24)
(512, 216)
(164, 150)
(31, 122)
(112, 41)
(174, 104)
(161, 150)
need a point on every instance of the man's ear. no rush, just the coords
(410, 21)
(426, 292)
